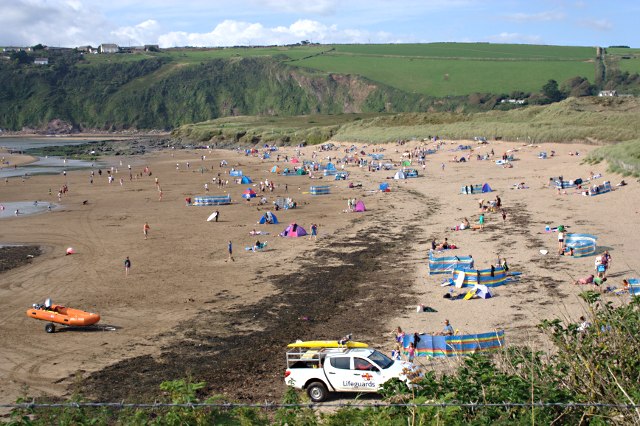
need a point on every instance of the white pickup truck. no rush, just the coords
(323, 370)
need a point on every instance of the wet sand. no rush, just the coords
(183, 309)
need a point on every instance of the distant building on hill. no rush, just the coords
(513, 101)
(109, 48)
(608, 93)
(41, 61)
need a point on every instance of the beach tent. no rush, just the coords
(293, 231)
(275, 169)
(301, 172)
(384, 187)
(486, 188)
(294, 160)
(399, 175)
(245, 180)
(360, 207)
(268, 218)
(406, 163)
(483, 292)
(235, 173)
(634, 286)
(330, 166)
(249, 193)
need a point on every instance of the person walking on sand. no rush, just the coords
(230, 248)
(145, 229)
(481, 221)
(314, 232)
(127, 266)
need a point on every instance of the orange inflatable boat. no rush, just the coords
(61, 315)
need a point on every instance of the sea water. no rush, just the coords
(44, 165)
(24, 208)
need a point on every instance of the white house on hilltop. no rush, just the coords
(109, 48)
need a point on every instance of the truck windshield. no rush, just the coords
(381, 359)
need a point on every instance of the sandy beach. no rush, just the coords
(185, 309)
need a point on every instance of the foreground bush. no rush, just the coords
(599, 364)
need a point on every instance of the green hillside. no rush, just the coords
(167, 89)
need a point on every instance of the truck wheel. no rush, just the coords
(50, 328)
(317, 391)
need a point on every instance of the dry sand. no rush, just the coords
(179, 274)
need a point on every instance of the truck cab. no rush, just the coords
(320, 371)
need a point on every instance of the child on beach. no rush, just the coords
(127, 266)
(412, 351)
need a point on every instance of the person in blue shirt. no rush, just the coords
(447, 330)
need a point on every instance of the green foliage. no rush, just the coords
(182, 391)
(600, 364)
(551, 92)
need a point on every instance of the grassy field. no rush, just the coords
(451, 77)
(195, 56)
(630, 65)
(471, 51)
(622, 51)
(434, 69)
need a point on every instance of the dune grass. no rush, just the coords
(623, 158)
(590, 120)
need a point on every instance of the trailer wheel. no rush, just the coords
(317, 391)
(50, 328)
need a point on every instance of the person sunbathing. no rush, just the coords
(585, 280)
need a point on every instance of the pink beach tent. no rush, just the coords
(360, 207)
(249, 193)
(293, 231)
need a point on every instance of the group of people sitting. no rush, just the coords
(445, 245)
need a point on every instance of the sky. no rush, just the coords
(210, 23)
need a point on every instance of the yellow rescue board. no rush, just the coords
(326, 344)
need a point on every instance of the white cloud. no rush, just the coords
(319, 7)
(535, 17)
(596, 24)
(238, 33)
(506, 37)
(138, 34)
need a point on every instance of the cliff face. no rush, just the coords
(159, 94)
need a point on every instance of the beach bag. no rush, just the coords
(602, 268)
